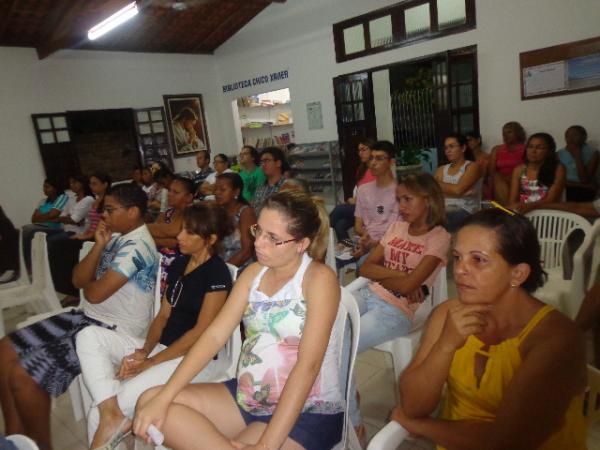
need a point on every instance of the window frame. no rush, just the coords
(398, 28)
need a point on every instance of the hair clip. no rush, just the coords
(502, 208)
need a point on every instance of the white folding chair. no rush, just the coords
(348, 310)
(23, 279)
(553, 228)
(40, 292)
(402, 348)
(330, 255)
(22, 442)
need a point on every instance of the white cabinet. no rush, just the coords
(319, 164)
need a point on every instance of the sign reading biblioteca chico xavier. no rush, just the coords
(261, 79)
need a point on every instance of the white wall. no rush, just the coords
(294, 36)
(298, 36)
(77, 80)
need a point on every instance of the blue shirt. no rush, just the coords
(569, 162)
(46, 206)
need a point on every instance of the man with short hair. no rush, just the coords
(273, 164)
(203, 163)
(251, 173)
(118, 278)
(376, 204)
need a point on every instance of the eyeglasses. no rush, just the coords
(110, 210)
(266, 160)
(257, 232)
(378, 158)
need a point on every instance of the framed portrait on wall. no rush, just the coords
(186, 123)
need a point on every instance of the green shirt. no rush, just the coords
(251, 181)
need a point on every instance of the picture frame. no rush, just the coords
(186, 124)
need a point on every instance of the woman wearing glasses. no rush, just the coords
(286, 394)
(198, 284)
(514, 367)
(540, 179)
(460, 181)
(342, 216)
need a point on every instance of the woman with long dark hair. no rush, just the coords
(238, 246)
(342, 216)
(540, 179)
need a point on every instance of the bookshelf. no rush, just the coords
(266, 119)
(320, 165)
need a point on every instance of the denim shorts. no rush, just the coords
(312, 431)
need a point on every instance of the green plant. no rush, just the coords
(411, 154)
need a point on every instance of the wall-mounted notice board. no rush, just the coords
(561, 69)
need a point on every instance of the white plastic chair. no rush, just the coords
(228, 356)
(348, 310)
(22, 442)
(402, 348)
(393, 434)
(23, 279)
(40, 292)
(553, 228)
(330, 255)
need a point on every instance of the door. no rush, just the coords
(355, 119)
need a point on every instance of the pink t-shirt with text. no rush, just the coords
(404, 252)
(377, 207)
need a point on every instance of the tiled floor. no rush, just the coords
(374, 379)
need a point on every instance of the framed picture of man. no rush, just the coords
(186, 123)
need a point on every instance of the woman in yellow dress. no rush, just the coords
(514, 367)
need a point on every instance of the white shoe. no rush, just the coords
(7, 276)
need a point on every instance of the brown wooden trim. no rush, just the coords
(398, 28)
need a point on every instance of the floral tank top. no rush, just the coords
(274, 328)
(531, 190)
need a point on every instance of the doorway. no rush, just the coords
(413, 103)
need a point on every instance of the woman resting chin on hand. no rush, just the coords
(514, 367)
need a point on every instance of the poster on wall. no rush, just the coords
(186, 123)
(315, 115)
(545, 78)
(560, 69)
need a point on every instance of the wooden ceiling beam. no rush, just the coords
(71, 30)
(240, 22)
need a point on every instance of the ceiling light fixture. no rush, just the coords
(113, 21)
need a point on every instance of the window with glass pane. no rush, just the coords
(354, 39)
(417, 20)
(451, 13)
(380, 31)
(44, 123)
(47, 137)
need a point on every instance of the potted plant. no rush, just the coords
(409, 159)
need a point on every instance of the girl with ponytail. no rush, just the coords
(287, 393)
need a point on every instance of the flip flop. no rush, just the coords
(117, 437)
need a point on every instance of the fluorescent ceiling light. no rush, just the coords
(113, 21)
